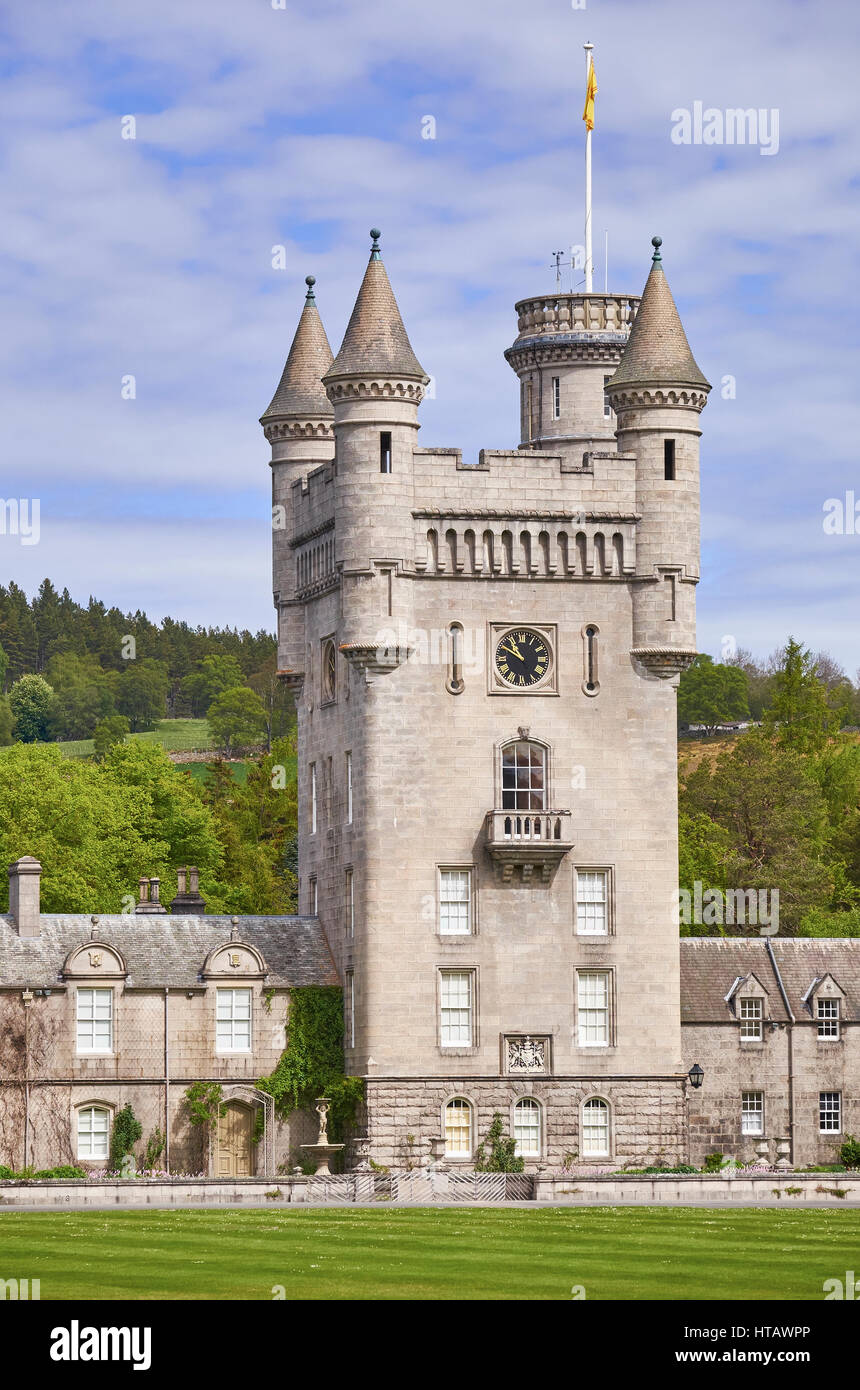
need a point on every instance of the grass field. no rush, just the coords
(176, 735)
(418, 1254)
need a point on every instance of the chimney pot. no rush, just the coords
(24, 887)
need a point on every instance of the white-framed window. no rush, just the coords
(456, 994)
(313, 798)
(527, 1128)
(607, 408)
(592, 902)
(455, 902)
(313, 896)
(95, 1020)
(93, 1131)
(233, 1020)
(556, 398)
(595, 1128)
(830, 1112)
(752, 1112)
(349, 789)
(524, 776)
(349, 1009)
(349, 896)
(827, 1015)
(592, 1000)
(752, 1020)
(458, 1128)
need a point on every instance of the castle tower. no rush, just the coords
(375, 385)
(658, 393)
(298, 425)
(487, 781)
(566, 350)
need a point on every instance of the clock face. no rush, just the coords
(522, 658)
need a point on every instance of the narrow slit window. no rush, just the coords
(669, 460)
(556, 397)
(607, 408)
(385, 451)
(592, 684)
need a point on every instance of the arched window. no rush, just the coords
(524, 776)
(527, 1128)
(595, 1128)
(93, 1131)
(458, 1128)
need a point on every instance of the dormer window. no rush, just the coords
(827, 1015)
(752, 1020)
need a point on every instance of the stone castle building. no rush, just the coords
(484, 658)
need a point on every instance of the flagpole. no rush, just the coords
(589, 268)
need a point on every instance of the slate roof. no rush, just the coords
(300, 391)
(710, 966)
(165, 950)
(657, 351)
(376, 342)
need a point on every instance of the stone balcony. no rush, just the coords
(532, 841)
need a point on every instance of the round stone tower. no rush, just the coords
(375, 385)
(567, 348)
(657, 394)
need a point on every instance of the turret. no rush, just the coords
(567, 348)
(657, 394)
(375, 385)
(298, 425)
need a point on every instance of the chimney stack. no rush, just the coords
(24, 881)
(149, 902)
(188, 902)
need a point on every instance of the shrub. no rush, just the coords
(5, 1172)
(154, 1149)
(126, 1132)
(849, 1153)
(713, 1163)
(502, 1157)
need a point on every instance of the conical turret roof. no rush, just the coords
(300, 392)
(375, 342)
(657, 351)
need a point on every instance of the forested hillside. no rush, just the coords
(66, 668)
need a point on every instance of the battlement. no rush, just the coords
(312, 501)
(574, 314)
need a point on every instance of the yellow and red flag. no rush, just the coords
(590, 94)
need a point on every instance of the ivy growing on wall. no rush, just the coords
(312, 1063)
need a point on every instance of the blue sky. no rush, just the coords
(301, 126)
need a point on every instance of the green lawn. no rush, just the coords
(200, 771)
(417, 1253)
(176, 735)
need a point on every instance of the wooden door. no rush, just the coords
(233, 1158)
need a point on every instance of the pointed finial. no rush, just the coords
(657, 242)
(375, 253)
(310, 281)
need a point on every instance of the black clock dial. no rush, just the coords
(522, 658)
